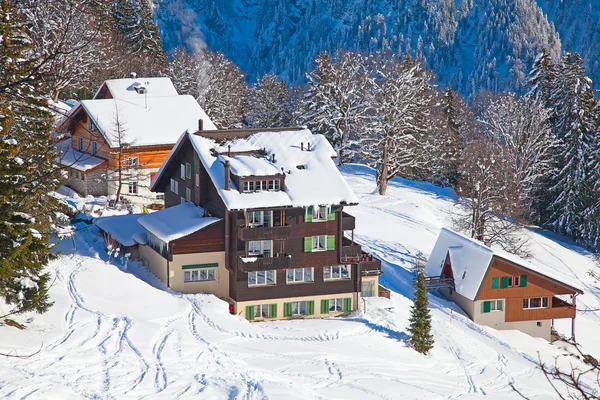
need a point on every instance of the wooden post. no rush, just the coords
(573, 319)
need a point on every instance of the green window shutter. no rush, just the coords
(523, 280)
(324, 306)
(308, 244)
(310, 307)
(249, 313)
(347, 304)
(495, 283)
(273, 311)
(287, 309)
(504, 282)
(331, 242)
(331, 215)
(487, 306)
(308, 214)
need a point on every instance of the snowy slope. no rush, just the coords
(114, 332)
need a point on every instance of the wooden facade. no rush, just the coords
(537, 286)
(288, 235)
(207, 240)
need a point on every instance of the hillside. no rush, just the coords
(474, 45)
(115, 332)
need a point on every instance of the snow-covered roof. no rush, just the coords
(70, 157)
(176, 222)
(471, 259)
(311, 177)
(125, 229)
(126, 88)
(151, 121)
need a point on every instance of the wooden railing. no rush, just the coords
(558, 303)
(348, 222)
(265, 233)
(438, 282)
(370, 267)
(350, 253)
(251, 263)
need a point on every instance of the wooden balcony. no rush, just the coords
(348, 222)
(250, 263)
(438, 282)
(265, 232)
(350, 253)
(370, 266)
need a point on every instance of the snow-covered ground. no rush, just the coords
(115, 332)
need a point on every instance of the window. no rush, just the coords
(320, 213)
(132, 163)
(188, 194)
(513, 281)
(188, 170)
(197, 179)
(261, 311)
(517, 281)
(199, 275)
(94, 147)
(275, 185)
(260, 185)
(539, 323)
(91, 125)
(536, 302)
(319, 243)
(182, 200)
(510, 281)
(174, 186)
(299, 308)
(182, 171)
(260, 218)
(79, 143)
(160, 196)
(336, 305)
(261, 278)
(132, 188)
(492, 305)
(369, 288)
(248, 187)
(261, 248)
(297, 275)
(336, 272)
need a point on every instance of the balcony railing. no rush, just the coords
(558, 303)
(265, 232)
(348, 222)
(370, 266)
(350, 253)
(253, 263)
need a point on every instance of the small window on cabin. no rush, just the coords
(188, 194)
(188, 170)
(197, 179)
(79, 143)
(94, 147)
(91, 126)
(260, 186)
(275, 185)
(182, 175)
(300, 167)
(248, 186)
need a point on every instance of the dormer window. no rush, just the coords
(248, 187)
(272, 185)
(91, 126)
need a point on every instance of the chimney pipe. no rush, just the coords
(308, 147)
(302, 146)
(200, 124)
(273, 158)
(227, 176)
(228, 150)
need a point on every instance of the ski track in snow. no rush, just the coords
(190, 347)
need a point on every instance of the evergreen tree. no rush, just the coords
(27, 172)
(420, 318)
(447, 141)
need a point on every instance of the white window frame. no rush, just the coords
(188, 170)
(495, 305)
(247, 186)
(299, 308)
(299, 275)
(91, 125)
(197, 179)
(182, 200)
(200, 275)
(336, 272)
(94, 147)
(336, 305)
(262, 278)
(79, 143)
(319, 243)
(260, 186)
(132, 162)
(259, 311)
(174, 186)
(542, 299)
(317, 213)
(188, 194)
(262, 248)
(182, 175)
(274, 185)
(257, 218)
(132, 187)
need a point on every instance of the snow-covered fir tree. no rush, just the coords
(135, 21)
(27, 171)
(268, 103)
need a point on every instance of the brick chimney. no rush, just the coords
(227, 176)
(301, 146)
(200, 124)
(308, 147)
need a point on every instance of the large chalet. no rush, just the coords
(498, 289)
(257, 217)
(129, 125)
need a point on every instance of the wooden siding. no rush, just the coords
(537, 286)
(207, 240)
